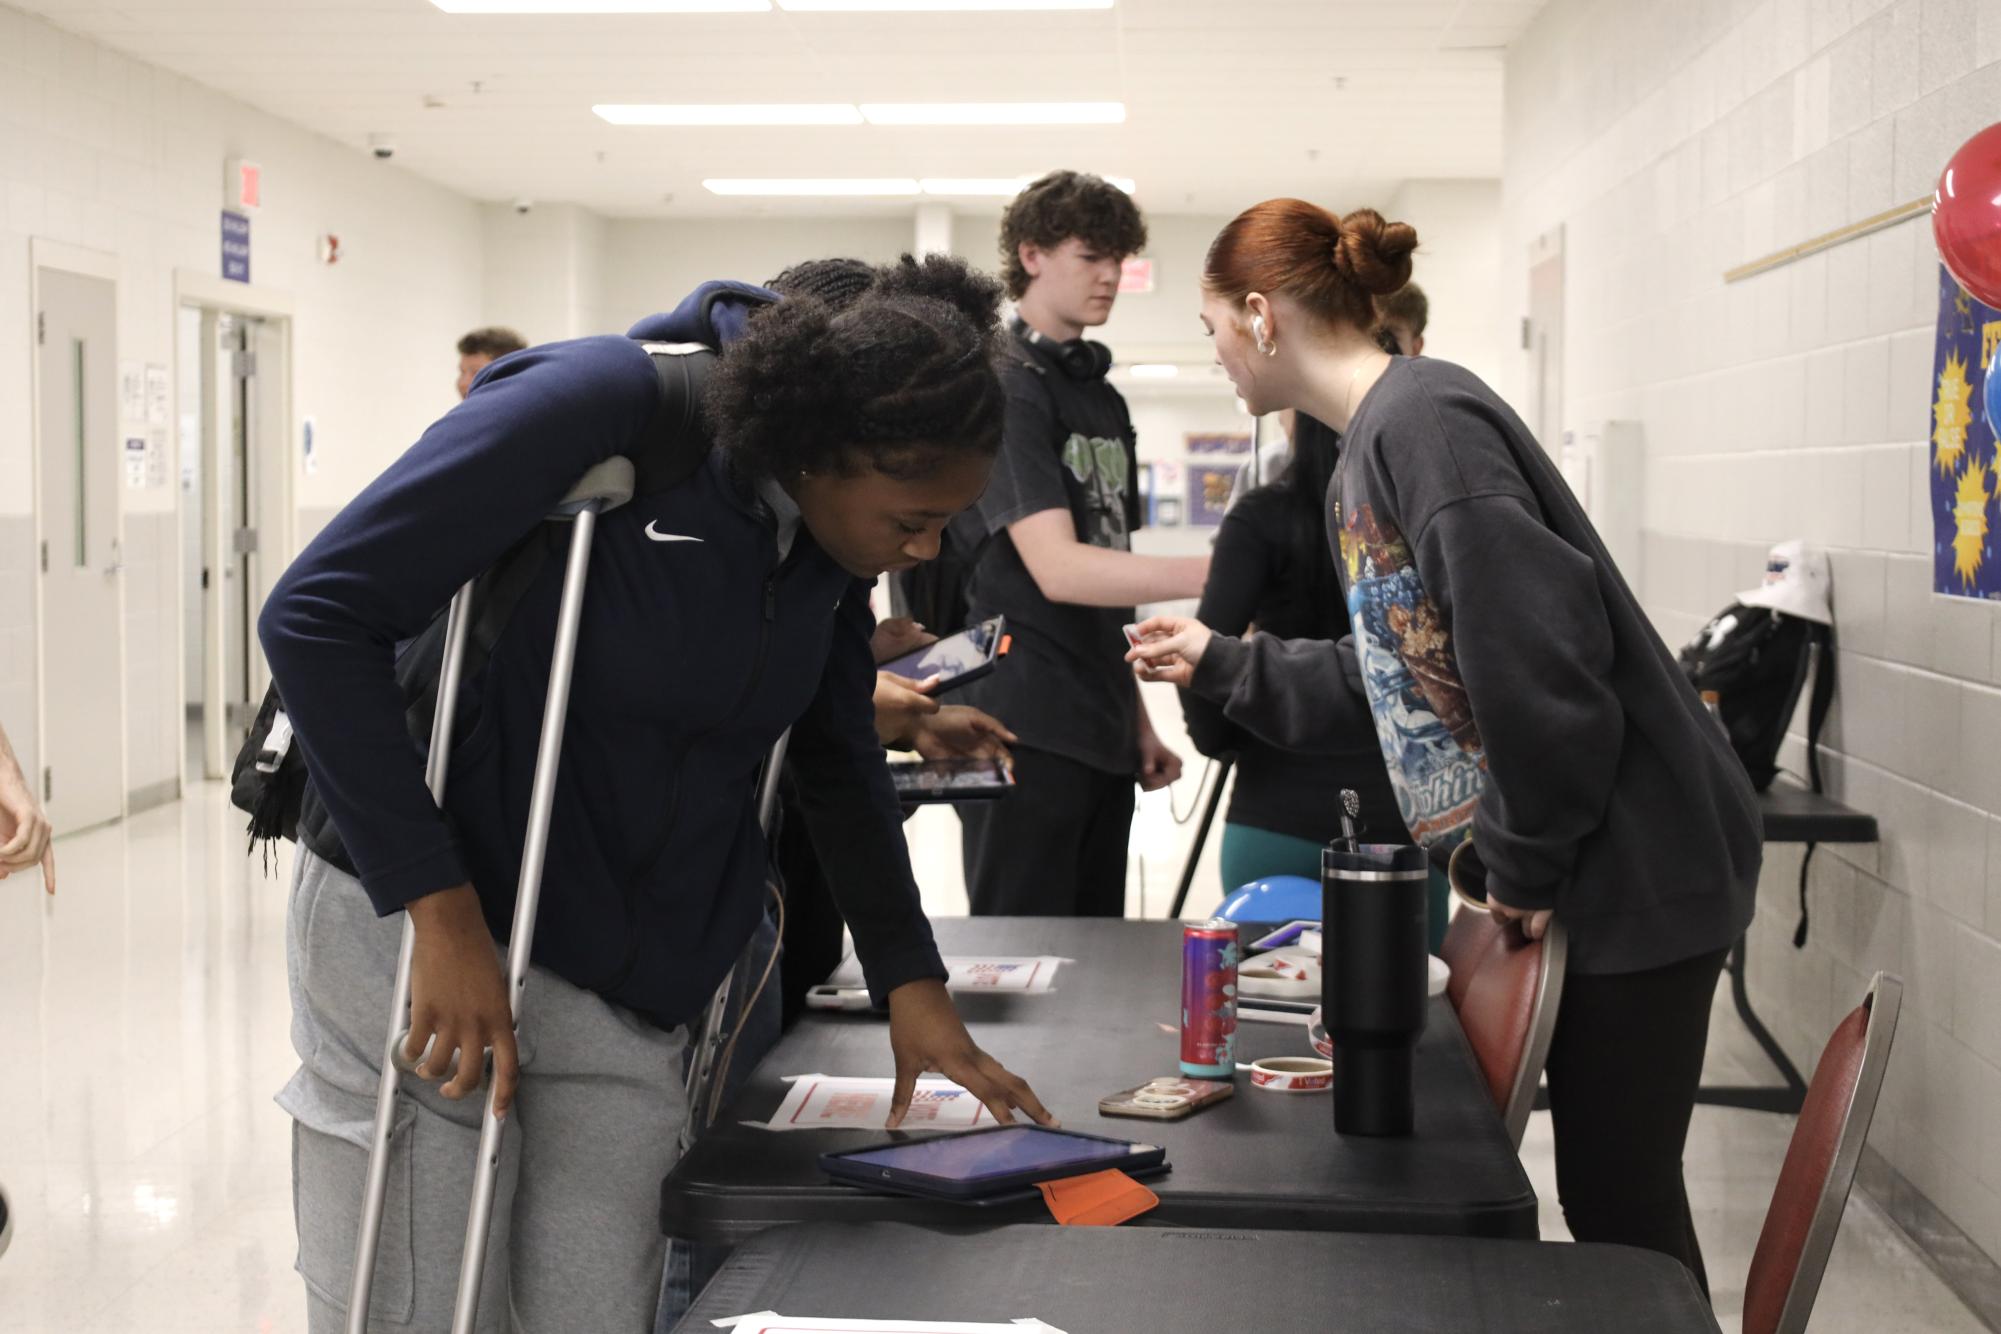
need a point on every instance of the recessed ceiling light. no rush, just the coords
(1154, 370)
(913, 6)
(891, 186)
(749, 113)
(994, 113)
(1000, 185)
(604, 6)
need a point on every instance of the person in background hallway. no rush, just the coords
(481, 348)
(1534, 725)
(1272, 569)
(1400, 320)
(1053, 533)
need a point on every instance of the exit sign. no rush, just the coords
(243, 186)
(1136, 275)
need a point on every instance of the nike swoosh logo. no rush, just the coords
(656, 535)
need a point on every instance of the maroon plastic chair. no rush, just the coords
(1820, 1165)
(1467, 936)
(1508, 1011)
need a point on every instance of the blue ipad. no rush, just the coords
(982, 1163)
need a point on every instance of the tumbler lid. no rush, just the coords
(1377, 861)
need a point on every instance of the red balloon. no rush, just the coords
(1966, 215)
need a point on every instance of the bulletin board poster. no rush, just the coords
(1209, 486)
(1218, 442)
(1963, 465)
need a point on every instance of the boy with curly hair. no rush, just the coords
(1053, 535)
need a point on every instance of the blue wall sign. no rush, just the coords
(235, 247)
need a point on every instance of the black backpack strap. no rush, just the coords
(1820, 656)
(1820, 653)
(679, 440)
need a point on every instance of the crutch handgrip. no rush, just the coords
(408, 1064)
(606, 486)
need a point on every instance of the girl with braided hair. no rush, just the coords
(722, 610)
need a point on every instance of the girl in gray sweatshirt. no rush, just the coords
(1521, 699)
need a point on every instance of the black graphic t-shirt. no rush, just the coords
(1068, 445)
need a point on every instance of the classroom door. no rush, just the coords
(83, 700)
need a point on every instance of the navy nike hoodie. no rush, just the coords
(697, 648)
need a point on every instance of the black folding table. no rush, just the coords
(1172, 1281)
(1260, 1159)
(1791, 814)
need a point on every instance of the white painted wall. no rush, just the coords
(544, 270)
(102, 151)
(649, 266)
(1458, 266)
(1796, 403)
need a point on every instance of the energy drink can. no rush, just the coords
(1209, 998)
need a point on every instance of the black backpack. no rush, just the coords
(269, 780)
(1757, 662)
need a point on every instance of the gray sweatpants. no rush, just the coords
(575, 1242)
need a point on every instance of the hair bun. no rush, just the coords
(944, 278)
(1374, 254)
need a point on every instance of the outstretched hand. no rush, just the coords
(926, 1034)
(1170, 649)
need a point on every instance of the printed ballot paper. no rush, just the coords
(831, 1102)
(1028, 975)
(770, 1322)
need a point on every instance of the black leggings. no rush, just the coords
(1623, 1070)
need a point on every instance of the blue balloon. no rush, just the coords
(1280, 898)
(1994, 394)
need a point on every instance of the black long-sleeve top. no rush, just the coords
(1262, 573)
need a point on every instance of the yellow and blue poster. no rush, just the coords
(1963, 464)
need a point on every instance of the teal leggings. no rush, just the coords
(1253, 854)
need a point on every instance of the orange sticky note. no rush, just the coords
(1102, 1199)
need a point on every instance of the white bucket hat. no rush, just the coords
(1796, 583)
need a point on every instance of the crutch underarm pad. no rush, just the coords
(609, 484)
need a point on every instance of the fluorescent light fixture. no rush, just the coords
(999, 185)
(604, 6)
(941, 6)
(994, 113)
(1154, 370)
(887, 187)
(749, 113)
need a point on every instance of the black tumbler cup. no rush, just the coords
(1373, 982)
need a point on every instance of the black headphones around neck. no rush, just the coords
(1080, 358)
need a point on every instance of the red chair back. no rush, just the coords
(1820, 1165)
(1467, 937)
(1508, 1011)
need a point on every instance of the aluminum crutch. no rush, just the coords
(702, 1065)
(603, 488)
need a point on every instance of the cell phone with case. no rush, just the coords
(1167, 1099)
